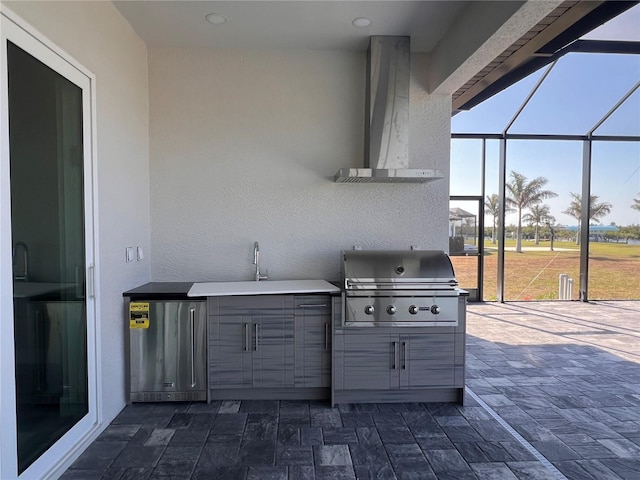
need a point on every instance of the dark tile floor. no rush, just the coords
(553, 392)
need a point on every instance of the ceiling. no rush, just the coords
(316, 25)
(327, 25)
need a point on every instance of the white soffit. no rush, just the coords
(316, 25)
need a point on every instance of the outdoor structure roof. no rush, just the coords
(552, 37)
(457, 213)
(572, 79)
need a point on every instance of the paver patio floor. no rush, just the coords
(553, 391)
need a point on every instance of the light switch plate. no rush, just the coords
(129, 255)
(139, 252)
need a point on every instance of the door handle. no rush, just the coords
(246, 337)
(91, 281)
(394, 364)
(255, 326)
(326, 337)
(404, 355)
(192, 321)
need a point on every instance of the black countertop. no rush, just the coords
(161, 291)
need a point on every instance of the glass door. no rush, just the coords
(51, 237)
(466, 243)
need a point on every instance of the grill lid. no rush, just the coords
(397, 269)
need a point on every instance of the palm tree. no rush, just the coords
(636, 203)
(538, 216)
(596, 210)
(492, 207)
(550, 221)
(523, 194)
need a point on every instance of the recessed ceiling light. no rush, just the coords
(216, 18)
(361, 22)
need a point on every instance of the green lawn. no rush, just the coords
(614, 270)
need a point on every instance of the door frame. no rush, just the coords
(475, 294)
(59, 456)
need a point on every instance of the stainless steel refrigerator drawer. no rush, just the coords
(168, 356)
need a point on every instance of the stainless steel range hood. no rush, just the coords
(387, 117)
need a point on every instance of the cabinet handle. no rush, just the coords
(394, 365)
(404, 355)
(326, 337)
(192, 320)
(313, 305)
(255, 326)
(246, 337)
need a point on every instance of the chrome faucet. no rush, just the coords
(256, 261)
(25, 261)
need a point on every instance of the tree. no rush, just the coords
(636, 203)
(523, 195)
(550, 221)
(492, 207)
(596, 210)
(538, 216)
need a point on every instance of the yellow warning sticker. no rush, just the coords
(139, 307)
(139, 323)
(139, 315)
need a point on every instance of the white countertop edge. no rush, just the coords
(266, 287)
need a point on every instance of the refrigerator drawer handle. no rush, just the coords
(192, 319)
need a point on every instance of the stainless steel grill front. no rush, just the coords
(399, 288)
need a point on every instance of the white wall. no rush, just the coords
(243, 147)
(97, 36)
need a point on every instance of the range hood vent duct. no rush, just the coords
(387, 117)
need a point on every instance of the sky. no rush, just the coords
(578, 91)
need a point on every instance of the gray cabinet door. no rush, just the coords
(371, 361)
(230, 353)
(272, 341)
(251, 342)
(313, 341)
(427, 360)
(389, 361)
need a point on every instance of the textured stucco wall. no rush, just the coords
(96, 35)
(243, 147)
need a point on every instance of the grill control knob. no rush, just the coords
(369, 309)
(435, 309)
(413, 310)
(391, 309)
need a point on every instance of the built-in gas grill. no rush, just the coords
(399, 288)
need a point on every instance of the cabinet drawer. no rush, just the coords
(251, 305)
